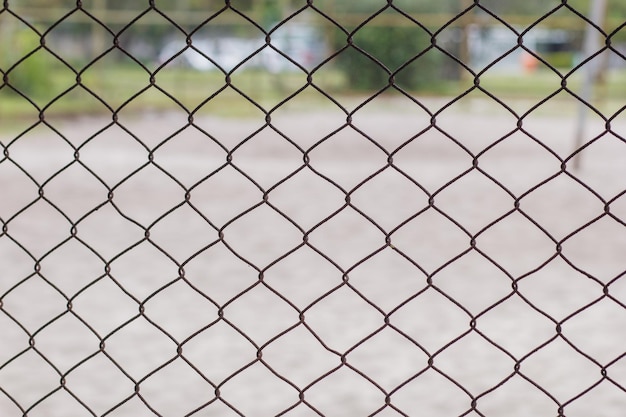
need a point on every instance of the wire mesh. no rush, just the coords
(391, 254)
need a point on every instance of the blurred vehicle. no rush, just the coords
(209, 54)
(303, 45)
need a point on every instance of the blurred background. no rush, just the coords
(114, 54)
(110, 227)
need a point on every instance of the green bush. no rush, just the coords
(392, 47)
(563, 59)
(31, 76)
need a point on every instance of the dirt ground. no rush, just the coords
(314, 267)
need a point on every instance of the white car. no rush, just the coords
(301, 43)
(210, 54)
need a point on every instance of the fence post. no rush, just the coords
(597, 15)
(464, 51)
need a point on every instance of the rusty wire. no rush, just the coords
(214, 389)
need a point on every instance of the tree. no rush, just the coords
(380, 53)
(391, 48)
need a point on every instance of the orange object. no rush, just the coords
(529, 62)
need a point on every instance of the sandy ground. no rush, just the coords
(216, 271)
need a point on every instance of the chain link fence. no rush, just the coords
(231, 224)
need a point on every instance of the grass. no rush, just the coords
(544, 82)
(126, 87)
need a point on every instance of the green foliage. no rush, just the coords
(389, 46)
(408, 6)
(389, 49)
(564, 59)
(29, 74)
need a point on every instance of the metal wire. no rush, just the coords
(215, 391)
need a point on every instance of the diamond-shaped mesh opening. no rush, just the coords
(258, 156)
(112, 154)
(270, 395)
(342, 319)
(224, 195)
(388, 206)
(494, 201)
(136, 79)
(408, 121)
(557, 280)
(518, 394)
(430, 392)
(299, 357)
(547, 203)
(151, 97)
(607, 150)
(585, 326)
(387, 279)
(185, 147)
(389, 358)
(206, 272)
(33, 303)
(80, 130)
(135, 41)
(179, 310)
(84, 190)
(160, 271)
(104, 296)
(61, 400)
(303, 185)
(219, 351)
(28, 378)
(108, 390)
(561, 371)
(139, 348)
(312, 208)
(79, 342)
(37, 145)
(119, 234)
(163, 193)
(430, 320)
(339, 393)
(321, 117)
(432, 160)
(473, 281)
(480, 367)
(303, 286)
(447, 241)
(251, 313)
(516, 244)
(182, 243)
(519, 336)
(186, 389)
(503, 162)
(347, 250)
(587, 403)
(229, 102)
(261, 236)
(597, 259)
(365, 158)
